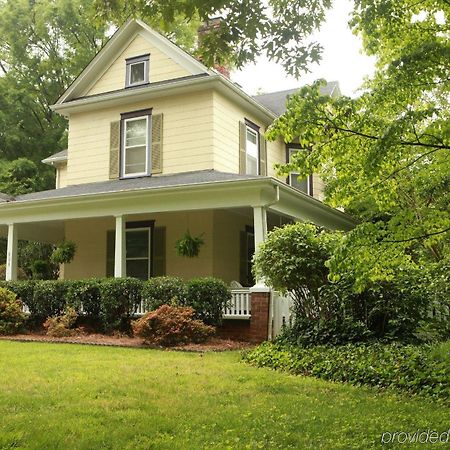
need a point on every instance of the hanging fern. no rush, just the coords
(189, 245)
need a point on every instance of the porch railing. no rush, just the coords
(239, 306)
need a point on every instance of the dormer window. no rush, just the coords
(137, 71)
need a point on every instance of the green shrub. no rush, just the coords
(11, 315)
(208, 297)
(48, 299)
(63, 253)
(62, 325)
(160, 291)
(120, 298)
(23, 289)
(171, 325)
(85, 295)
(415, 369)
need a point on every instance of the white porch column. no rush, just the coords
(260, 225)
(120, 248)
(11, 253)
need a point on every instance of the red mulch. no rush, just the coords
(212, 345)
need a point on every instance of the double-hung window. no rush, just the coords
(137, 71)
(252, 149)
(302, 184)
(136, 144)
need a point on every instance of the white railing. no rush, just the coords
(239, 306)
(141, 309)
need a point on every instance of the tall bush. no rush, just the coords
(293, 259)
(120, 298)
(208, 297)
(162, 291)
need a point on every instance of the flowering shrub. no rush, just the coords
(60, 326)
(11, 315)
(171, 325)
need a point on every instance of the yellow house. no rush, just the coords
(159, 145)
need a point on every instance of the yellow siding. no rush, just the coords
(162, 67)
(227, 116)
(61, 175)
(318, 187)
(90, 238)
(187, 136)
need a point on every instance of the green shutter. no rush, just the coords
(242, 148)
(243, 252)
(110, 250)
(262, 155)
(157, 142)
(114, 150)
(159, 251)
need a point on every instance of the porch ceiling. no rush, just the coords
(50, 232)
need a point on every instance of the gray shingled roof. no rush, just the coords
(57, 157)
(276, 101)
(131, 184)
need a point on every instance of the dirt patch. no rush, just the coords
(212, 345)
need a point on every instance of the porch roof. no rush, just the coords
(133, 184)
(206, 189)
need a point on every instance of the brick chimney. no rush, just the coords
(211, 25)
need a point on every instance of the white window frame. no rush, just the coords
(256, 133)
(309, 179)
(141, 258)
(145, 59)
(147, 147)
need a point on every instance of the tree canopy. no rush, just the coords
(385, 155)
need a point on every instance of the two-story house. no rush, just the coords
(158, 145)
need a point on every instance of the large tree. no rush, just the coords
(385, 155)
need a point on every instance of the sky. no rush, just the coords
(342, 60)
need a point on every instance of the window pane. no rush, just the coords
(252, 143)
(137, 73)
(301, 185)
(136, 132)
(137, 243)
(252, 165)
(135, 160)
(138, 269)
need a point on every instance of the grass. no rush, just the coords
(59, 396)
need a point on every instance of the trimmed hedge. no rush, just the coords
(208, 297)
(160, 291)
(112, 302)
(120, 298)
(415, 369)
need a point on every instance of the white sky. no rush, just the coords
(342, 60)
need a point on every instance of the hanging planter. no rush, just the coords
(188, 245)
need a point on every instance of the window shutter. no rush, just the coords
(157, 138)
(114, 150)
(243, 251)
(262, 155)
(242, 149)
(159, 251)
(110, 247)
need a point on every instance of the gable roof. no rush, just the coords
(276, 101)
(115, 45)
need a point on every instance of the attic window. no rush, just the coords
(137, 70)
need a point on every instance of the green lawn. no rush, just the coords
(59, 396)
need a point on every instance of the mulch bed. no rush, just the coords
(213, 345)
